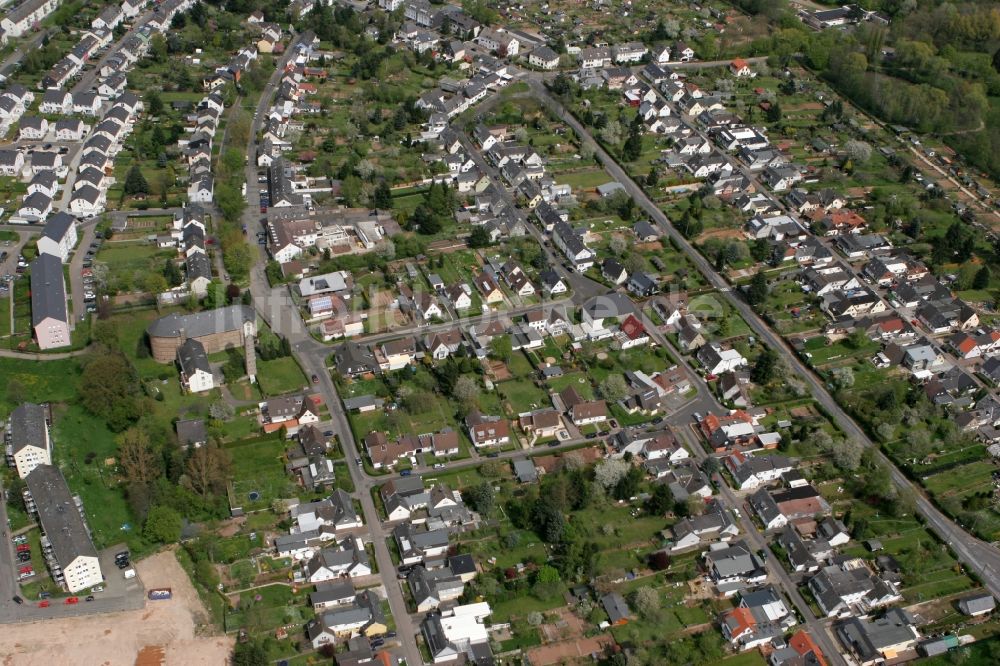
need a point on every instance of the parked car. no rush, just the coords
(90, 597)
(18, 600)
(43, 604)
(72, 600)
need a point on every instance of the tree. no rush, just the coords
(466, 391)
(847, 454)
(479, 237)
(154, 102)
(154, 283)
(138, 460)
(632, 150)
(251, 653)
(646, 601)
(208, 469)
(535, 618)
(163, 525)
(614, 388)
(172, 273)
(105, 333)
(982, 278)
(618, 245)
(109, 389)
(757, 291)
(773, 113)
(660, 501)
(842, 377)
(237, 256)
(858, 151)
(481, 497)
(500, 348)
(135, 182)
(765, 367)
(610, 471)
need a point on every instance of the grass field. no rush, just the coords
(523, 395)
(258, 466)
(267, 608)
(587, 179)
(577, 380)
(280, 375)
(83, 446)
(37, 381)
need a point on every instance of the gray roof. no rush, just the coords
(363, 401)
(198, 265)
(734, 560)
(462, 564)
(867, 637)
(192, 357)
(525, 471)
(201, 324)
(977, 603)
(334, 590)
(59, 516)
(28, 427)
(616, 607)
(48, 290)
(58, 226)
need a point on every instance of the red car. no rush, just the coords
(72, 600)
(25, 570)
(23, 548)
(43, 604)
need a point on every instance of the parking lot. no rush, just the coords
(116, 593)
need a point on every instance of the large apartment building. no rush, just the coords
(28, 443)
(69, 551)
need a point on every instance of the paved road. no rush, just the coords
(758, 542)
(88, 78)
(980, 557)
(276, 308)
(86, 232)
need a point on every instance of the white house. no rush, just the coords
(196, 373)
(544, 58)
(200, 190)
(59, 236)
(28, 434)
(717, 360)
(11, 162)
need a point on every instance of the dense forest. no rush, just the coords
(934, 68)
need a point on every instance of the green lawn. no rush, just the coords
(83, 446)
(280, 375)
(577, 380)
(37, 381)
(587, 179)
(259, 466)
(523, 395)
(266, 608)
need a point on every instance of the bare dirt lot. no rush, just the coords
(163, 633)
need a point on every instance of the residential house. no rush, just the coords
(59, 236)
(716, 360)
(733, 567)
(487, 430)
